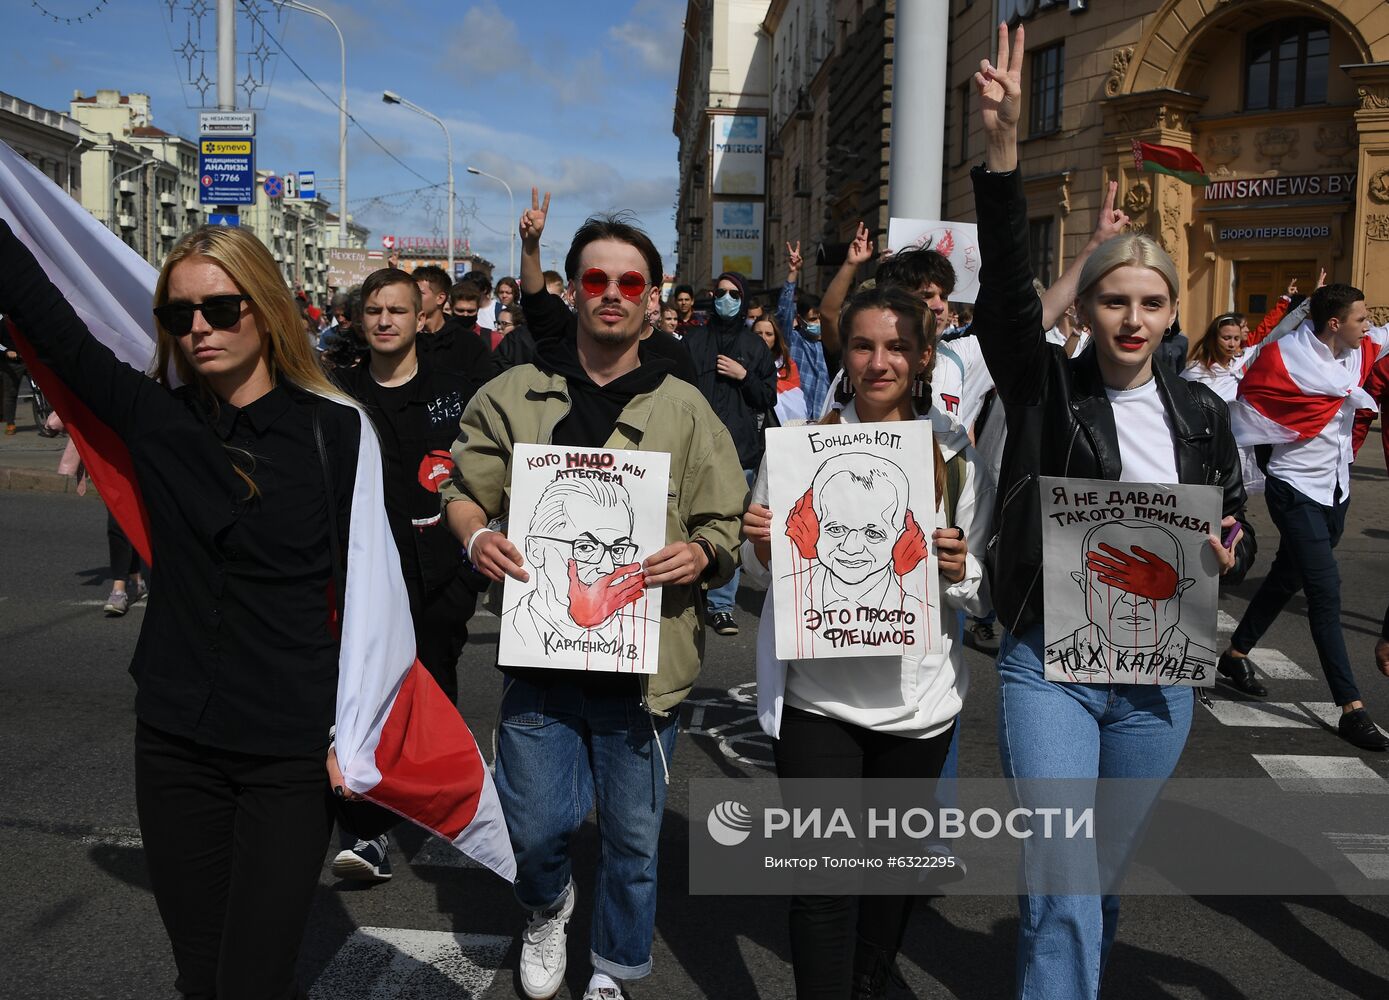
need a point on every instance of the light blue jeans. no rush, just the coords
(1051, 730)
(723, 598)
(560, 752)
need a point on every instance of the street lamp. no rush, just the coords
(390, 97)
(115, 195)
(511, 254)
(342, 117)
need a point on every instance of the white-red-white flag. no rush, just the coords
(400, 741)
(1293, 389)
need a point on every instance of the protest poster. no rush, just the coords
(958, 241)
(583, 520)
(853, 573)
(1131, 581)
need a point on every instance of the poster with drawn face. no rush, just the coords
(583, 520)
(958, 241)
(853, 573)
(1131, 581)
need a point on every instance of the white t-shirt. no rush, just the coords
(1146, 445)
(977, 381)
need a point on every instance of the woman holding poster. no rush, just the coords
(867, 716)
(1108, 414)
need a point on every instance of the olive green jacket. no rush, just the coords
(706, 496)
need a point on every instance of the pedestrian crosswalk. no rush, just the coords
(1322, 775)
(387, 963)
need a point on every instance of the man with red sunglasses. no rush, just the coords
(570, 741)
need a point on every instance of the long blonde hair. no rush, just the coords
(1138, 249)
(249, 265)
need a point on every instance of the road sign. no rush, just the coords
(307, 185)
(227, 171)
(274, 187)
(388, 242)
(227, 123)
(219, 219)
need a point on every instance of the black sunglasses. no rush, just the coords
(220, 311)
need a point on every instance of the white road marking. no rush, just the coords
(1367, 851)
(1224, 623)
(437, 853)
(1328, 711)
(1268, 714)
(101, 603)
(740, 737)
(116, 836)
(385, 963)
(1322, 775)
(1278, 667)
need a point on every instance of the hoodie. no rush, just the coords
(739, 403)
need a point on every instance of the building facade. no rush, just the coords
(49, 140)
(1286, 104)
(721, 102)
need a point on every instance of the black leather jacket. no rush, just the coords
(1060, 422)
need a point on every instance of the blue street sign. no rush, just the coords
(274, 187)
(307, 184)
(219, 219)
(226, 171)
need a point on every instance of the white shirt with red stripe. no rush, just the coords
(1319, 467)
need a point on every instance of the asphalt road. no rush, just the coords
(80, 921)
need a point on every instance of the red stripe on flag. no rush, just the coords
(1269, 388)
(1171, 157)
(104, 454)
(438, 790)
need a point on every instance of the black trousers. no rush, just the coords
(125, 563)
(234, 844)
(823, 928)
(441, 629)
(12, 372)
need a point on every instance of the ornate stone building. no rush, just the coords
(1286, 102)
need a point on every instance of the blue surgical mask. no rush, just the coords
(811, 329)
(727, 306)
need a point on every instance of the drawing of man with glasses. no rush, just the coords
(586, 569)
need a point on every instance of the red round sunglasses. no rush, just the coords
(595, 282)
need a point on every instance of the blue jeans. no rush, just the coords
(723, 598)
(1306, 561)
(560, 752)
(1051, 730)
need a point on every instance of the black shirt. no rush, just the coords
(236, 650)
(456, 349)
(417, 422)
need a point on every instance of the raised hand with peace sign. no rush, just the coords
(533, 220)
(1000, 101)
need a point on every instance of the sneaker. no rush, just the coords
(983, 637)
(141, 591)
(117, 604)
(723, 623)
(603, 993)
(543, 955)
(1357, 729)
(364, 861)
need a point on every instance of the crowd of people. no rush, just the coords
(247, 461)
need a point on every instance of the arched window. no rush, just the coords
(1286, 64)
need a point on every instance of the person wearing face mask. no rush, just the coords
(799, 318)
(450, 342)
(734, 371)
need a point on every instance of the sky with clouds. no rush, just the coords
(574, 97)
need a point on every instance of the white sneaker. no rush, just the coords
(543, 955)
(604, 993)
